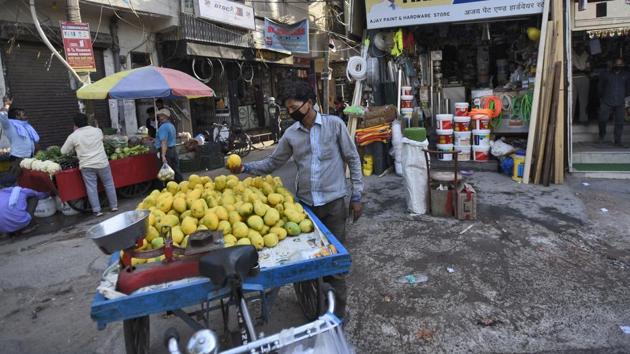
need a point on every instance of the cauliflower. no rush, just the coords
(50, 167)
(26, 163)
(37, 165)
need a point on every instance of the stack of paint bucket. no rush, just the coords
(463, 137)
(481, 137)
(444, 133)
(406, 105)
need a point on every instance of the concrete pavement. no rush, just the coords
(541, 270)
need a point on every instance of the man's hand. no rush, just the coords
(7, 102)
(356, 210)
(237, 170)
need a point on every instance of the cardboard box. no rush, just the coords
(442, 202)
(466, 202)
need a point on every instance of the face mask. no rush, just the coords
(297, 115)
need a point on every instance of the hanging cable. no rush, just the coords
(356, 69)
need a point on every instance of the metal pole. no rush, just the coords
(326, 72)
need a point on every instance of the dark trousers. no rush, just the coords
(333, 215)
(618, 113)
(173, 160)
(15, 170)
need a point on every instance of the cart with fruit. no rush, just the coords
(156, 251)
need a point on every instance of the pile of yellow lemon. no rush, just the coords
(256, 211)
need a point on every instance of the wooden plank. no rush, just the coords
(560, 131)
(536, 98)
(539, 137)
(549, 155)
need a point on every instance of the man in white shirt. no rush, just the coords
(581, 81)
(87, 141)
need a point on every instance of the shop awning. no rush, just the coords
(228, 53)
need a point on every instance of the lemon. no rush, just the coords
(270, 240)
(280, 232)
(244, 241)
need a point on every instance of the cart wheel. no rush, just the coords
(135, 190)
(310, 297)
(83, 205)
(80, 205)
(137, 335)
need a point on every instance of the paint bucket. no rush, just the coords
(444, 136)
(406, 91)
(406, 113)
(481, 138)
(444, 121)
(445, 148)
(519, 166)
(406, 104)
(463, 152)
(462, 123)
(481, 122)
(481, 153)
(406, 97)
(463, 138)
(461, 109)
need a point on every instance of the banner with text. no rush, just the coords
(77, 45)
(292, 38)
(398, 13)
(228, 12)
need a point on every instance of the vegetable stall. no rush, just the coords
(134, 167)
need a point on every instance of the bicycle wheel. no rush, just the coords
(137, 335)
(241, 144)
(310, 299)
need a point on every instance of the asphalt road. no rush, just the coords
(541, 270)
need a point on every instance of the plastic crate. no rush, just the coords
(191, 165)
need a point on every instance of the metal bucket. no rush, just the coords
(120, 232)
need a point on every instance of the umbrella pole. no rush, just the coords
(155, 116)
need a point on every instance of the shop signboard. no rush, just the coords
(292, 38)
(77, 45)
(397, 13)
(228, 12)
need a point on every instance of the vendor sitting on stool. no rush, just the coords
(165, 140)
(17, 206)
(87, 141)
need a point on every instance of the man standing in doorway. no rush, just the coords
(20, 133)
(87, 142)
(613, 87)
(581, 81)
(321, 147)
(165, 141)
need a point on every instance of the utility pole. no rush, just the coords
(326, 73)
(73, 14)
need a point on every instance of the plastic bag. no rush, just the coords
(166, 173)
(501, 148)
(332, 341)
(414, 171)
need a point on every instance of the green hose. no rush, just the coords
(522, 106)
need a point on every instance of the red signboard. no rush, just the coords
(77, 44)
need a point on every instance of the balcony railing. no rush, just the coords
(194, 29)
